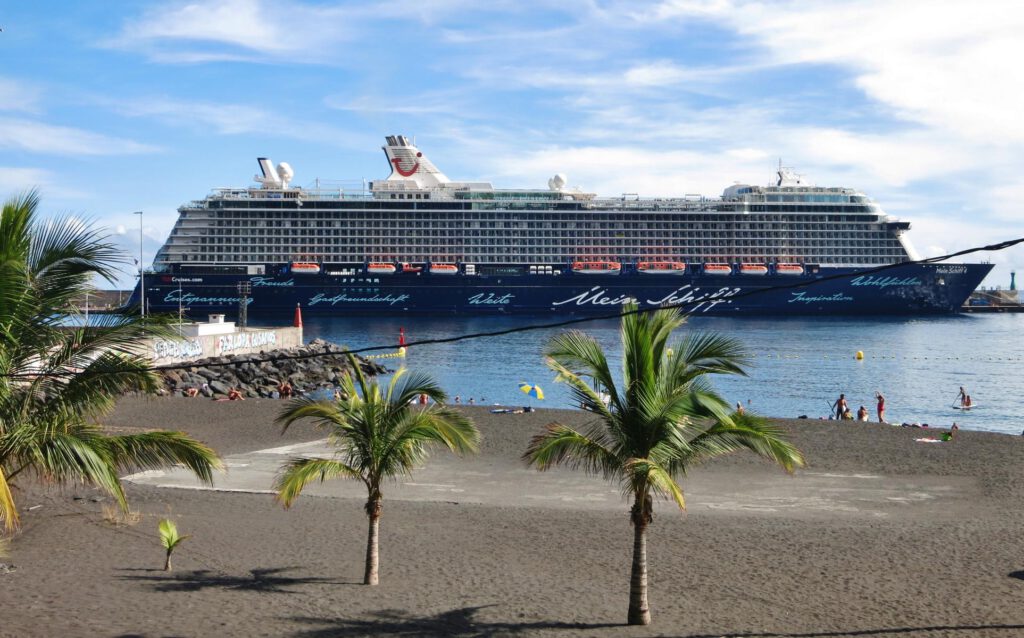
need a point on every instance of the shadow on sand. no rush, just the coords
(271, 580)
(945, 630)
(457, 622)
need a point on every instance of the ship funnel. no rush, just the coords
(270, 178)
(409, 164)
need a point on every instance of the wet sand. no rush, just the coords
(879, 536)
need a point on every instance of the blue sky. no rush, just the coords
(110, 107)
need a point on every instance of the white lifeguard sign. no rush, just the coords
(409, 164)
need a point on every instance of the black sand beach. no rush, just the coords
(925, 543)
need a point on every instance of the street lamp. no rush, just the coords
(142, 271)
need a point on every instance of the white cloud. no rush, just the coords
(232, 119)
(949, 65)
(266, 30)
(254, 30)
(16, 95)
(37, 137)
(17, 179)
(226, 119)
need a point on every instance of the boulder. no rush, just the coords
(219, 387)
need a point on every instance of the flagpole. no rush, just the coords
(142, 271)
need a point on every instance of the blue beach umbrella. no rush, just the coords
(532, 390)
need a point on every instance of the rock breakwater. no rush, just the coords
(316, 365)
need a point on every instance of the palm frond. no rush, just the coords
(66, 250)
(297, 473)
(702, 353)
(8, 510)
(406, 386)
(583, 394)
(562, 445)
(16, 220)
(152, 450)
(581, 354)
(436, 424)
(75, 455)
(751, 433)
(658, 479)
(322, 413)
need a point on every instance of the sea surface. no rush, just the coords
(799, 365)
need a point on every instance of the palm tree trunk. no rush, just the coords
(167, 562)
(373, 509)
(639, 611)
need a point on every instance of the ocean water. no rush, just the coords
(799, 365)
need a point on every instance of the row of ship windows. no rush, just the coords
(404, 218)
(861, 238)
(434, 208)
(263, 253)
(540, 257)
(497, 226)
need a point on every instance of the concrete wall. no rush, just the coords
(253, 340)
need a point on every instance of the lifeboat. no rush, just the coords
(596, 267)
(305, 268)
(661, 267)
(407, 267)
(381, 268)
(717, 269)
(753, 269)
(444, 269)
(789, 269)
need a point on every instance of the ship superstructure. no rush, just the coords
(417, 214)
(418, 222)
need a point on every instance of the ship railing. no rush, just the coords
(660, 203)
(291, 193)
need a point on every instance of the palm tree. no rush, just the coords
(379, 435)
(57, 379)
(661, 420)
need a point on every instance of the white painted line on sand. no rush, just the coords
(291, 449)
(429, 485)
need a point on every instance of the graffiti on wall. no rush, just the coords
(187, 349)
(242, 340)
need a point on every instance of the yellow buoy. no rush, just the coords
(401, 351)
(860, 355)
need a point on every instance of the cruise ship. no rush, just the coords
(418, 242)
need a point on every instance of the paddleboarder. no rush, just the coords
(841, 407)
(962, 398)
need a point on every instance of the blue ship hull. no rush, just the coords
(905, 289)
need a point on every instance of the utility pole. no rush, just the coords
(142, 271)
(244, 288)
(181, 309)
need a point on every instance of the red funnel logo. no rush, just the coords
(406, 173)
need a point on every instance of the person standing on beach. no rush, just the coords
(841, 407)
(880, 407)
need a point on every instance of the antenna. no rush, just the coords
(244, 289)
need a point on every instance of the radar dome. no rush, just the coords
(285, 172)
(558, 182)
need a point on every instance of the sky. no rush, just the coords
(113, 107)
